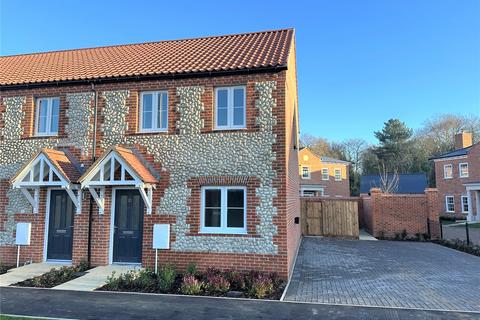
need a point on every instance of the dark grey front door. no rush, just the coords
(60, 226)
(128, 226)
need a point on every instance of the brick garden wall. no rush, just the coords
(389, 215)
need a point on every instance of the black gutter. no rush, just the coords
(94, 149)
(147, 77)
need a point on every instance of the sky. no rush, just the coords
(359, 63)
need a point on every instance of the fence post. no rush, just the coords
(466, 231)
(441, 229)
(428, 229)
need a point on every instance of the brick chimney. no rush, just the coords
(463, 140)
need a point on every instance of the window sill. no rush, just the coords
(464, 177)
(41, 137)
(147, 133)
(230, 129)
(446, 178)
(204, 232)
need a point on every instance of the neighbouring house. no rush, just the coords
(322, 176)
(99, 145)
(457, 176)
(408, 183)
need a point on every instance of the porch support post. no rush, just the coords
(147, 198)
(477, 197)
(99, 199)
(32, 200)
(470, 208)
(76, 199)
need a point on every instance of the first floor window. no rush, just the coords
(224, 210)
(324, 174)
(463, 170)
(47, 113)
(464, 204)
(447, 171)
(338, 174)
(153, 111)
(230, 107)
(449, 204)
(305, 172)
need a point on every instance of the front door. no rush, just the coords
(128, 227)
(60, 226)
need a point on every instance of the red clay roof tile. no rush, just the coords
(209, 54)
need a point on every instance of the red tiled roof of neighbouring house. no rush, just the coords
(246, 51)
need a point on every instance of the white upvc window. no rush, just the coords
(153, 111)
(448, 171)
(305, 172)
(325, 175)
(230, 108)
(46, 119)
(338, 175)
(224, 210)
(463, 170)
(464, 204)
(449, 204)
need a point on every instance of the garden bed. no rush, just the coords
(55, 277)
(460, 245)
(213, 282)
(4, 268)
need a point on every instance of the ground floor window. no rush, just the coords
(464, 204)
(224, 210)
(317, 192)
(449, 204)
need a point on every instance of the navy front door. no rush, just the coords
(128, 226)
(60, 226)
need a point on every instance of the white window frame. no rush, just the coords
(155, 96)
(309, 174)
(445, 171)
(446, 203)
(464, 203)
(48, 132)
(230, 108)
(460, 170)
(335, 174)
(323, 174)
(223, 229)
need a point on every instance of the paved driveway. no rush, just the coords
(385, 273)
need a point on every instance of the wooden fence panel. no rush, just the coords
(330, 218)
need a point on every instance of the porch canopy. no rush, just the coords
(473, 188)
(119, 166)
(48, 168)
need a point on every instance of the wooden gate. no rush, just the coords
(330, 217)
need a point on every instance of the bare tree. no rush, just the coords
(353, 150)
(388, 181)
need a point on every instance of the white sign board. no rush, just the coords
(23, 233)
(161, 236)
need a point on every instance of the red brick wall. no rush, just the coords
(285, 165)
(388, 215)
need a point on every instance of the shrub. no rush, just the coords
(191, 285)
(145, 280)
(55, 277)
(261, 287)
(217, 285)
(166, 278)
(236, 279)
(191, 268)
(461, 246)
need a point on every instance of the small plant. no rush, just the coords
(404, 234)
(166, 278)
(236, 279)
(191, 285)
(191, 268)
(217, 285)
(261, 287)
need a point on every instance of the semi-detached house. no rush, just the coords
(98, 145)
